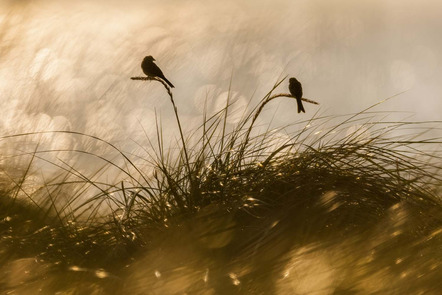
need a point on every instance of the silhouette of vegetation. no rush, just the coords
(236, 212)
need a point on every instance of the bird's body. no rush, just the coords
(295, 88)
(152, 70)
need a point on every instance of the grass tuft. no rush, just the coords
(318, 183)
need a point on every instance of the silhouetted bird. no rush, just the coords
(295, 88)
(152, 70)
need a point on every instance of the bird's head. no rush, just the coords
(149, 58)
(293, 80)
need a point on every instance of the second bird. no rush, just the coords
(152, 70)
(295, 88)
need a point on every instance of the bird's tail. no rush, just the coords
(300, 106)
(168, 82)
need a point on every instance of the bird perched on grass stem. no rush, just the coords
(295, 88)
(152, 70)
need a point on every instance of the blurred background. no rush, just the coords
(65, 65)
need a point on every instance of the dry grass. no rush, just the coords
(356, 179)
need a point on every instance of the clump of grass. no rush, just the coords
(319, 184)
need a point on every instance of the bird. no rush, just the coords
(152, 70)
(295, 88)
